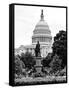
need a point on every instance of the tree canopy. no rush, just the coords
(46, 61)
(60, 46)
(28, 60)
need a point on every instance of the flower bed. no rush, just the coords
(38, 80)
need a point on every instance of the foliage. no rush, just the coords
(60, 46)
(63, 72)
(47, 60)
(55, 63)
(28, 60)
(19, 65)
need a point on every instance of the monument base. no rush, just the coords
(38, 67)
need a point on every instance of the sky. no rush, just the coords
(27, 17)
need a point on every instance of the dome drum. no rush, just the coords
(41, 39)
(41, 31)
(42, 35)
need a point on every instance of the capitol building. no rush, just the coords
(42, 34)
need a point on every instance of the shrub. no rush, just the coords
(28, 60)
(55, 63)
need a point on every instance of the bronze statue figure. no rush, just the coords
(37, 49)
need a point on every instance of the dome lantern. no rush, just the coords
(42, 16)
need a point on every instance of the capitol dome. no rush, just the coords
(41, 32)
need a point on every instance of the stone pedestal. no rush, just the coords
(38, 65)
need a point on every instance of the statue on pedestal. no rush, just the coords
(38, 59)
(37, 50)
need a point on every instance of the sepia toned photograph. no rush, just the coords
(40, 45)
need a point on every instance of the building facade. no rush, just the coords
(42, 34)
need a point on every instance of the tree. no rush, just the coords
(55, 63)
(47, 60)
(60, 46)
(28, 60)
(19, 65)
